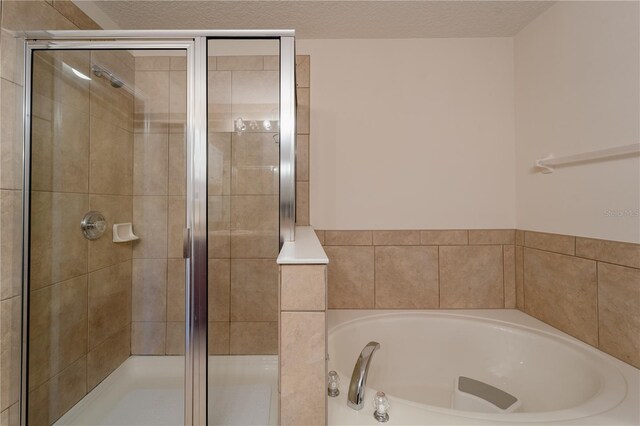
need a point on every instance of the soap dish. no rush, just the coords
(123, 232)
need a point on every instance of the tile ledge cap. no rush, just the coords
(305, 250)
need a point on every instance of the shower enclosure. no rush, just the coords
(159, 186)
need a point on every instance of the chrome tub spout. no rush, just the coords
(359, 376)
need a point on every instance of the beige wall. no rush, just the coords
(412, 134)
(576, 79)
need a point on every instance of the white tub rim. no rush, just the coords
(613, 379)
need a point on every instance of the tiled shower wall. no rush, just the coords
(16, 16)
(80, 297)
(243, 203)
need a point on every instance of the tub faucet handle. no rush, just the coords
(381, 407)
(332, 384)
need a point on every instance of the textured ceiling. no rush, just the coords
(326, 19)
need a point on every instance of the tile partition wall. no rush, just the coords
(587, 288)
(303, 305)
(16, 16)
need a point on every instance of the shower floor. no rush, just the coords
(149, 390)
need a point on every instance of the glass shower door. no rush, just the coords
(243, 230)
(106, 275)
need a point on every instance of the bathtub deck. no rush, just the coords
(149, 390)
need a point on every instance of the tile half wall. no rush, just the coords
(587, 288)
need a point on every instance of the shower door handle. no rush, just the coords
(186, 243)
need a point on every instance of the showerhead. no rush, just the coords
(98, 71)
(116, 83)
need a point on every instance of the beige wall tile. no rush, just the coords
(33, 15)
(303, 68)
(254, 165)
(175, 338)
(175, 289)
(176, 226)
(444, 237)
(255, 95)
(103, 251)
(492, 236)
(152, 63)
(10, 243)
(219, 289)
(109, 302)
(52, 399)
(51, 80)
(519, 277)
(254, 290)
(177, 101)
(58, 328)
(471, 277)
(108, 103)
(70, 11)
(111, 159)
(10, 135)
(150, 164)
(219, 98)
(350, 277)
(219, 164)
(107, 356)
(148, 338)
(619, 312)
(253, 338)
(396, 238)
(237, 63)
(151, 105)
(149, 290)
(11, 62)
(348, 238)
(561, 291)
(177, 164)
(303, 368)
(150, 224)
(625, 254)
(509, 276)
(320, 235)
(302, 203)
(218, 342)
(271, 63)
(303, 287)
(11, 416)
(178, 63)
(254, 226)
(557, 243)
(58, 248)
(219, 225)
(302, 158)
(406, 277)
(303, 111)
(10, 342)
(60, 149)
(519, 237)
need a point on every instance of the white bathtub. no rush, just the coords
(557, 378)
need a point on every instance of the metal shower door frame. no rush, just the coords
(195, 236)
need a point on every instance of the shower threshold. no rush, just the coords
(149, 390)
